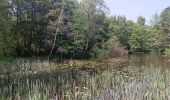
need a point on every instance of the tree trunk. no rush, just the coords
(87, 44)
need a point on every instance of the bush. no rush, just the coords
(167, 52)
(99, 52)
(117, 51)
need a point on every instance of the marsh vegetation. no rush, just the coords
(130, 78)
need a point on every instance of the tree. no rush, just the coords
(137, 40)
(165, 25)
(7, 41)
(61, 26)
(88, 26)
(146, 39)
(31, 25)
(141, 20)
(122, 29)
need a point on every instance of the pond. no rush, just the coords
(136, 77)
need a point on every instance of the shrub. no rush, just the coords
(167, 52)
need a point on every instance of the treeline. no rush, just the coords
(29, 27)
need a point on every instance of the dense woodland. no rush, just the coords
(78, 29)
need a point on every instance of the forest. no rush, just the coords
(77, 29)
(77, 50)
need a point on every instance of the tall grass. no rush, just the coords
(86, 80)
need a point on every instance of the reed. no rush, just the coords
(84, 80)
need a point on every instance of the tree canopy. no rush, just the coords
(28, 27)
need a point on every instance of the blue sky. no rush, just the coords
(134, 8)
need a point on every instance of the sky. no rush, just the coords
(134, 8)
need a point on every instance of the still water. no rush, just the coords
(136, 77)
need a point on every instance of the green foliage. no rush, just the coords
(89, 33)
(141, 20)
(99, 52)
(137, 40)
(85, 30)
(7, 41)
(145, 40)
(164, 25)
(167, 52)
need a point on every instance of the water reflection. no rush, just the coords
(137, 77)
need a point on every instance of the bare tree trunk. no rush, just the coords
(87, 44)
(59, 20)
